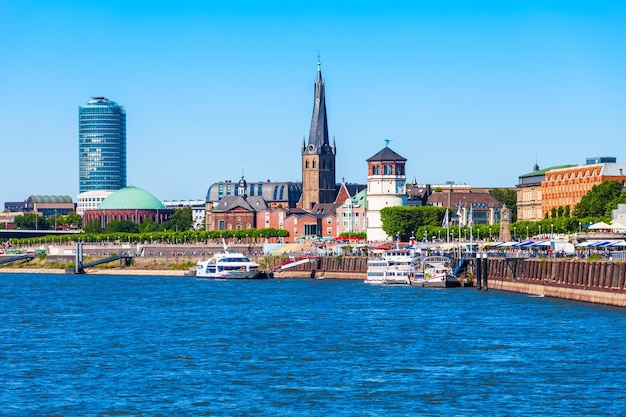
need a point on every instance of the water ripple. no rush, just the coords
(111, 345)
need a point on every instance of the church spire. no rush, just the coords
(318, 136)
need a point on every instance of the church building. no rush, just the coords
(305, 209)
(318, 156)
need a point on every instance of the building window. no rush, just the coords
(329, 231)
(329, 221)
(220, 225)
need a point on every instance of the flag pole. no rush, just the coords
(447, 219)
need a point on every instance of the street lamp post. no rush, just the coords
(580, 227)
(514, 232)
(539, 230)
(552, 231)
(526, 232)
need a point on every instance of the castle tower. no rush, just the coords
(386, 180)
(318, 156)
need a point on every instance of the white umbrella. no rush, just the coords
(599, 226)
(617, 226)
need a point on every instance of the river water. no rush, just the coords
(123, 345)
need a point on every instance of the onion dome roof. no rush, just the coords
(132, 198)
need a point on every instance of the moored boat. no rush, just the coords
(229, 265)
(435, 272)
(393, 267)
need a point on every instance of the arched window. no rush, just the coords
(306, 163)
(313, 164)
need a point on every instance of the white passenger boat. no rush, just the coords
(434, 272)
(229, 265)
(392, 267)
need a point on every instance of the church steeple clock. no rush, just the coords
(318, 156)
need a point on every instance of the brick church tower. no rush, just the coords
(318, 156)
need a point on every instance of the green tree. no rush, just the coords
(125, 226)
(597, 201)
(404, 221)
(181, 220)
(148, 225)
(74, 219)
(508, 197)
(93, 226)
(31, 221)
(553, 213)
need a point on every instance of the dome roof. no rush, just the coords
(131, 198)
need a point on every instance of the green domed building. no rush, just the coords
(130, 203)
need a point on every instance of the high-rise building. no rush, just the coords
(318, 157)
(101, 145)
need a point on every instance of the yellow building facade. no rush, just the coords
(567, 186)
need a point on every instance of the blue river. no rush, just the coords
(125, 345)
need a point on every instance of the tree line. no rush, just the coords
(425, 222)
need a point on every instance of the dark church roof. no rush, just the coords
(386, 155)
(324, 209)
(285, 193)
(319, 143)
(476, 200)
(231, 202)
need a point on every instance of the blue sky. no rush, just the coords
(468, 91)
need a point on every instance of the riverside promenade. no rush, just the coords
(600, 282)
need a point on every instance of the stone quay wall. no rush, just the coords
(344, 267)
(600, 282)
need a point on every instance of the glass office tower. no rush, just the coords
(101, 145)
